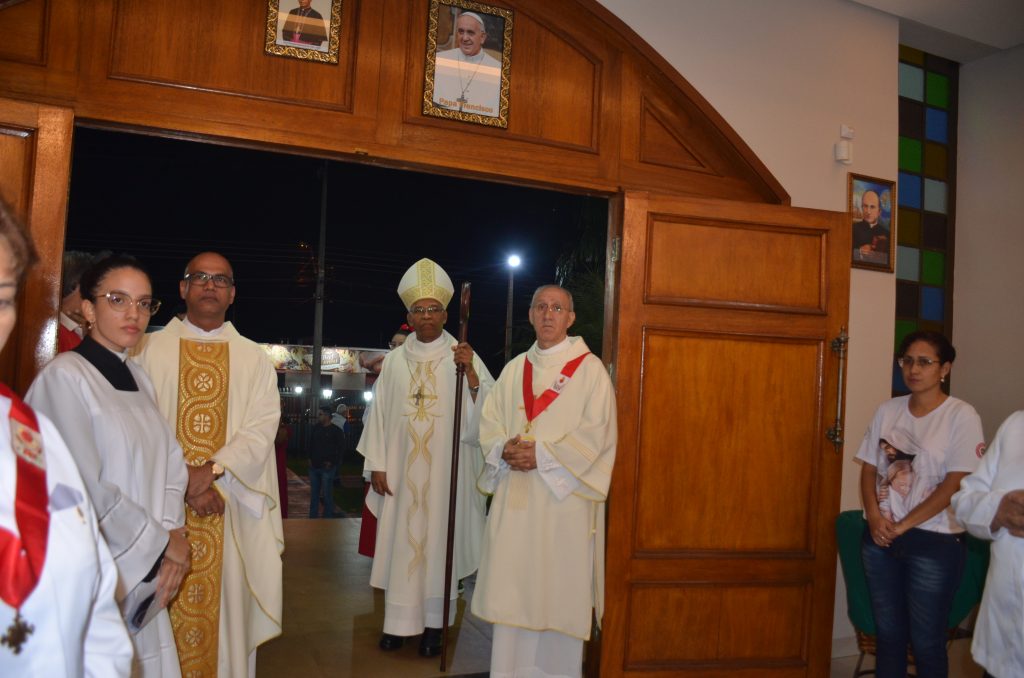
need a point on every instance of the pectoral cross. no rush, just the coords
(17, 633)
(462, 101)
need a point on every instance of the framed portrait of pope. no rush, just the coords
(467, 62)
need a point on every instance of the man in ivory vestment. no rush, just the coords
(548, 436)
(407, 443)
(226, 415)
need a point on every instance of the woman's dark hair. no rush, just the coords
(19, 242)
(89, 283)
(936, 340)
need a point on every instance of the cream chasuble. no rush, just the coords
(542, 566)
(220, 394)
(409, 435)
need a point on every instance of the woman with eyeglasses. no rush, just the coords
(914, 549)
(104, 407)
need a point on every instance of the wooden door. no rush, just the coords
(35, 161)
(721, 556)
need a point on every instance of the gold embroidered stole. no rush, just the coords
(202, 430)
(423, 398)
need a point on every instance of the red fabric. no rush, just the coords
(66, 339)
(22, 556)
(281, 451)
(534, 406)
(368, 530)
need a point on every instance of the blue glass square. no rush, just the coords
(936, 125)
(898, 385)
(932, 303)
(909, 190)
(911, 82)
(908, 263)
(935, 196)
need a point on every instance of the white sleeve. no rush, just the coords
(976, 503)
(555, 476)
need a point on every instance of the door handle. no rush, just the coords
(835, 433)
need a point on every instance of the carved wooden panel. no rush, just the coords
(721, 262)
(17, 148)
(35, 156)
(219, 47)
(737, 462)
(23, 27)
(732, 624)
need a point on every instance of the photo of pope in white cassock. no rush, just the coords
(467, 77)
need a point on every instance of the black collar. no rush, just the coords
(108, 363)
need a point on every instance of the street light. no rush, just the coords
(513, 263)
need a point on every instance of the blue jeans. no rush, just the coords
(321, 481)
(912, 583)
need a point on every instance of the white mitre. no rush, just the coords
(425, 280)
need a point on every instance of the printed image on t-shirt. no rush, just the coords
(899, 484)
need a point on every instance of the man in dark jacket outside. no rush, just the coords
(326, 446)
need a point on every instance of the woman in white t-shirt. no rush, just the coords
(913, 548)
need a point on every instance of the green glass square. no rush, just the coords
(908, 227)
(933, 268)
(937, 90)
(903, 328)
(910, 154)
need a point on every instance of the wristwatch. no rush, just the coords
(474, 389)
(217, 469)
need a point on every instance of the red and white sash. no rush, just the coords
(22, 555)
(534, 406)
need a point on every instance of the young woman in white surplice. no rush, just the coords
(134, 470)
(67, 597)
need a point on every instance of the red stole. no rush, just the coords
(534, 406)
(22, 556)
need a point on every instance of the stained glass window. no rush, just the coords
(926, 184)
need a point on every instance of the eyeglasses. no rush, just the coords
(907, 362)
(541, 307)
(424, 310)
(202, 277)
(121, 302)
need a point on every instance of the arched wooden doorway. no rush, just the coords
(721, 305)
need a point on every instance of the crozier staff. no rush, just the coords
(57, 578)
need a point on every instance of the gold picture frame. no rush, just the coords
(467, 78)
(309, 31)
(873, 222)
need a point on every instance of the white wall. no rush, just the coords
(988, 303)
(785, 75)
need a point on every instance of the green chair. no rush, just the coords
(849, 531)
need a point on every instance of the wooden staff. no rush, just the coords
(460, 375)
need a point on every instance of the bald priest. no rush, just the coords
(548, 431)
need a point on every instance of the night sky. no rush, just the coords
(164, 200)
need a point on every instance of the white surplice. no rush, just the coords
(998, 643)
(78, 626)
(251, 589)
(409, 435)
(542, 566)
(135, 473)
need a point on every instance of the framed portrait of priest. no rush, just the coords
(871, 204)
(469, 45)
(304, 29)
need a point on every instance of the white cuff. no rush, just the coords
(557, 477)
